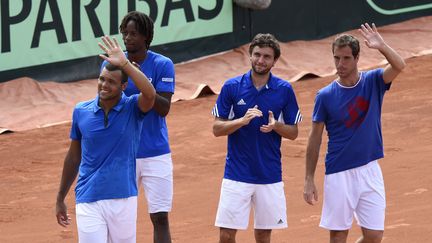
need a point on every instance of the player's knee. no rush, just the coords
(372, 236)
(338, 236)
(159, 219)
(262, 236)
(227, 235)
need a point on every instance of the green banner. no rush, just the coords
(35, 32)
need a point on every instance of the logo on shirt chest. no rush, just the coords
(357, 111)
(241, 102)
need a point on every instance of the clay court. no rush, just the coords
(31, 157)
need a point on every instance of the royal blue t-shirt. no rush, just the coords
(154, 136)
(352, 117)
(108, 149)
(254, 156)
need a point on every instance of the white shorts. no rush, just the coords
(237, 198)
(103, 221)
(357, 192)
(155, 174)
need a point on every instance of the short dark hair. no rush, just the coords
(347, 40)
(110, 67)
(265, 40)
(143, 23)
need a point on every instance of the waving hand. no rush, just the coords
(112, 48)
(372, 38)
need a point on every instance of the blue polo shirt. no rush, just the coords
(352, 117)
(108, 148)
(254, 156)
(154, 136)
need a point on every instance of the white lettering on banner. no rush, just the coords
(35, 32)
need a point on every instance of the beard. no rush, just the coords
(262, 71)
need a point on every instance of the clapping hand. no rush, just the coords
(271, 123)
(251, 113)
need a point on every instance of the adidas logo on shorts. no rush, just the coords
(280, 221)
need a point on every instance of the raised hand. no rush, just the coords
(251, 113)
(112, 48)
(372, 38)
(271, 123)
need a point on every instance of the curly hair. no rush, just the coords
(143, 23)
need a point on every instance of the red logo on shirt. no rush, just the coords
(356, 112)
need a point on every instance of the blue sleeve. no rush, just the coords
(166, 77)
(378, 77)
(291, 112)
(319, 113)
(75, 132)
(135, 107)
(223, 104)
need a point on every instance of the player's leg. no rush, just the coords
(340, 200)
(269, 204)
(233, 209)
(227, 235)
(121, 217)
(161, 230)
(91, 225)
(338, 236)
(156, 175)
(370, 236)
(262, 236)
(370, 211)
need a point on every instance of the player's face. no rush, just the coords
(262, 59)
(345, 62)
(134, 41)
(109, 85)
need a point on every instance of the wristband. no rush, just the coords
(124, 65)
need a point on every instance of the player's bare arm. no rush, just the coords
(162, 103)
(118, 58)
(222, 127)
(284, 130)
(374, 40)
(310, 193)
(70, 171)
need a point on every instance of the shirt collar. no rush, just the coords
(117, 107)
(149, 53)
(269, 85)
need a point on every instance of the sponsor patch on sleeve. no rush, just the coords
(169, 80)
